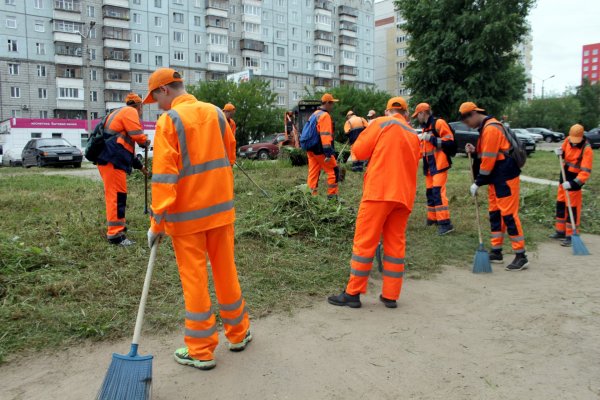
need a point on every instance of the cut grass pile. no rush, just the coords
(61, 283)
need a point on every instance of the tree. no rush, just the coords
(463, 50)
(589, 97)
(255, 115)
(352, 98)
(557, 114)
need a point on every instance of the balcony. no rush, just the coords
(253, 36)
(73, 6)
(70, 113)
(217, 67)
(69, 72)
(323, 82)
(323, 51)
(253, 45)
(348, 29)
(117, 76)
(117, 54)
(323, 35)
(67, 54)
(349, 11)
(67, 37)
(217, 8)
(116, 64)
(114, 85)
(324, 5)
(115, 96)
(348, 41)
(327, 75)
(71, 83)
(116, 3)
(348, 70)
(116, 43)
(115, 33)
(113, 105)
(115, 13)
(216, 23)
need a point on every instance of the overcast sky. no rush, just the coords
(560, 28)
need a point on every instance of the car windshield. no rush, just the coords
(53, 143)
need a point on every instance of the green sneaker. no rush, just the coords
(236, 347)
(183, 357)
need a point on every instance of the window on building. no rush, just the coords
(251, 62)
(308, 65)
(56, 135)
(265, 31)
(11, 22)
(586, 68)
(93, 33)
(9, 2)
(178, 37)
(266, 65)
(93, 75)
(197, 20)
(307, 50)
(67, 26)
(138, 78)
(137, 38)
(40, 48)
(220, 40)
(15, 113)
(251, 28)
(92, 54)
(158, 41)
(91, 11)
(249, 9)
(280, 51)
(294, 47)
(13, 69)
(15, 92)
(594, 67)
(158, 21)
(219, 58)
(323, 19)
(41, 71)
(586, 60)
(38, 4)
(233, 62)
(280, 67)
(595, 60)
(137, 18)
(233, 44)
(43, 115)
(178, 18)
(158, 61)
(279, 34)
(280, 19)
(197, 57)
(137, 58)
(137, 2)
(93, 96)
(280, 84)
(595, 52)
(281, 100)
(232, 26)
(39, 26)
(178, 2)
(158, 3)
(295, 63)
(178, 55)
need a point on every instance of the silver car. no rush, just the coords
(11, 157)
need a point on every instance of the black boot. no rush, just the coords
(496, 257)
(566, 242)
(519, 263)
(557, 235)
(431, 222)
(388, 303)
(345, 299)
(445, 229)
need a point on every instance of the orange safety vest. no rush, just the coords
(578, 161)
(325, 128)
(434, 158)
(393, 150)
(192, 181)
(232, 125)
(125, 124)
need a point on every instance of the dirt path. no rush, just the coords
(529, 335)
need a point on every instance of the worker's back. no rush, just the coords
(393, 151)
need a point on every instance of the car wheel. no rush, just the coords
(263, 155)
(77, 165)
(11, 163)
(39, 162)
(548, 139)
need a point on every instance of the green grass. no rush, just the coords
(60, 282)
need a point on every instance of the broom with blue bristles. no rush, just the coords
(129, 376)
(481, 261)
(579, 248)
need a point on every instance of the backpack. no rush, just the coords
(96, 142)
(516, 151)
(310, 135)
(450, 151)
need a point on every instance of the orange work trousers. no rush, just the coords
(504, 214)
(374, 219)
(563, 221)
(115, 196)
(316, 163)
(201, 335)
(437, 202)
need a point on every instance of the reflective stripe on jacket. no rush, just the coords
(434, 158)
(353, 127)
(578, 159)
(493, 164)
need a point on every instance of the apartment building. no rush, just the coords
(63, 58)
(590, 63)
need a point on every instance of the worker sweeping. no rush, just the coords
(353, 127)
(494, 166)
(578, 158)
(229, 110)
(192, 201)
(321, 156)
(437, 148)
(389, 189)
(123, 129)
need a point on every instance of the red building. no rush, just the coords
(590, 63)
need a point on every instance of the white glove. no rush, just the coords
(469, 148)
(474, 189)
(154, 237)
(425, 137)
(559, 151)
(566, 185)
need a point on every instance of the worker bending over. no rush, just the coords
(124, 128)
(389, 188)
(578, 158)
(321, 156)
(229, 110)
(494, 167)
(437, 140)
(192, 201)
(353, 127)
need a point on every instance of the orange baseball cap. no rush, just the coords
(161, 77)
(397, 103)
(576, 134)
(328, 98)
(468, 107)
(229, 107)
(133, 98)
(420, 108)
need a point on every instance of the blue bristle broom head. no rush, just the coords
(481, 263)
(129, 377)
(579, 248)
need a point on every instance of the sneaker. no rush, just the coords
(121, 241)
(519, 263)
(388, 303)
(557, 235)
(332, 197)
(445, 229)
(496, 257)
(345, 299)
(183, 357)
(566, 242)
(241, 346)
(431, 222)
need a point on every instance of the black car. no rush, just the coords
(55, 151)
(548, 135)
(593, 137)
(464, 134)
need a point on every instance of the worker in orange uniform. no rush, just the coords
(389, 189)
(353, 127)
(124, 128)
(229, 110)
(371, 116)
(322, 157)
(436, 138)
(494, 167)
(578, 158)
(192, 201)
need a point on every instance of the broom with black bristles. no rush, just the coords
(481, 262)
(129, 376)
(579, 248)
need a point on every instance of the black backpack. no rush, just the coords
(450, 151)
(96, 142)
(517, 151)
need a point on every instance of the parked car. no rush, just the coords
(55, 151)
(267, 149)
(548, 135)
(536, 136)
(526, 140)
(11, 157)
(140, 153)
(463, 135)
(593, 137)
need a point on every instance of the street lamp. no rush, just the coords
(543, 81)
(86, 76)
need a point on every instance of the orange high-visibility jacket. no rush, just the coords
(434, 158)
(393, 151)
(492, 155)
(232, 125)
(355, 122)
(325, 129)
(578, 159)
(125, 124)
(192, 181)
